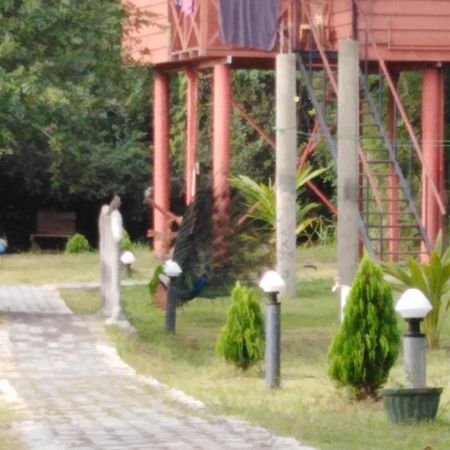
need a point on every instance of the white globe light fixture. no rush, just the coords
(413, 304)
(271, 282)
(172, 269)
(127, 259)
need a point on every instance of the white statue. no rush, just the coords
(111, 234)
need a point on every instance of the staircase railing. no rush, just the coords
(400, 108)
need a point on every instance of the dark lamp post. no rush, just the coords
(413, 306)
(172, 270)
(271, 283)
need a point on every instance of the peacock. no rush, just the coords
(3, 245)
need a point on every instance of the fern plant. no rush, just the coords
(241, 340)
(368, 342)
(433, 279)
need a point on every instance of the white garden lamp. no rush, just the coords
(172, 270)
(413, 306)
(127, 259)
(271, 283)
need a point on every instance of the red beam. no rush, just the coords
(221, 154)
(161, 180)
(432, 147)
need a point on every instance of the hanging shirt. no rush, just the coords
(249, 23)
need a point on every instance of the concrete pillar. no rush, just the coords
(347, 160)
(221, 157)
(191, 133)
(161, 162)
(286, 155)
(432, 148)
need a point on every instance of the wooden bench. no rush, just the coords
(53, 225)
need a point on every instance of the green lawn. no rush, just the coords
(45, 268)
(308, 406)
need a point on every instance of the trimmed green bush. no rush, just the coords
(241, 339)
(368, 342)
(77, 244)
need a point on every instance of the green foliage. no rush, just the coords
(260, 199)
(367, 344)
(241, 340)
(126, 241)
(77, 244)
(154, 280)
(74, 112)
(433, 279)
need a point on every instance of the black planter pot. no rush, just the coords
(411, 404)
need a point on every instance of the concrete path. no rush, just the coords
(71, 390)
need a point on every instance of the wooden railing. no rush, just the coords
(198, 33)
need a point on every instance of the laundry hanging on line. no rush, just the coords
(187, 6)
(249, 23)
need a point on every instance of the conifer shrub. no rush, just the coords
(241, 339)
(368, 342)
(77, 244)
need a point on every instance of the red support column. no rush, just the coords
(432, 148)
(191, 134)
(393, 203)
(161, 163)
(221, 153)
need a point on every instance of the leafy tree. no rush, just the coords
(73, 112)
(241, 340)
(367, 344)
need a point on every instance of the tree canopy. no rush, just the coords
(74, 113)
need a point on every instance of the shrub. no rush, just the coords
(154, 280)
(367, 344)
(241, 340)
(77, 244)
(126, 241)
(433, 279)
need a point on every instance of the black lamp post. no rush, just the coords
(173, 271)
(272, 284)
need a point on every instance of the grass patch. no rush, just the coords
(35, 268)
(82, 301)
(308, 406)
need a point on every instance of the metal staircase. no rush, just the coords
(390, 224)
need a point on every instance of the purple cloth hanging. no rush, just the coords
(187, 6)
(249, 23)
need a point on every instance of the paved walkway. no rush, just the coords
(71, 390)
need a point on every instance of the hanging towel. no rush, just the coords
(249, 23)
(187, 6)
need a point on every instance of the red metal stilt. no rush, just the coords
(161, 162)
(432, 145)
(221, 153)
(191, 134)
(393, 204)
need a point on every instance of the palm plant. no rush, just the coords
(433, 279)
(260, 200)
